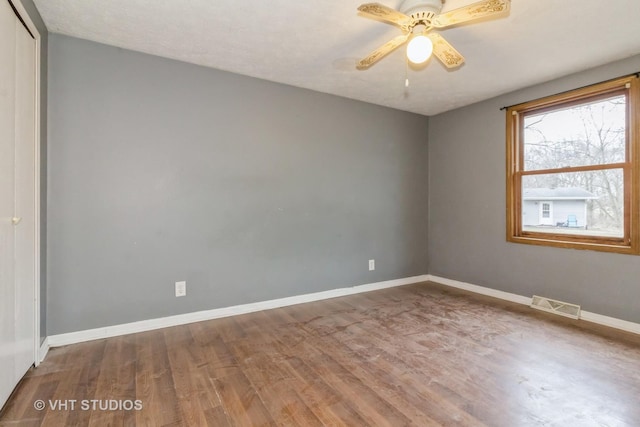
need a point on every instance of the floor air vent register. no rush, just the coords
(558, 307)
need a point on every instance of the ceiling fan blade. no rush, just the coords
(473, 11)
(385, 14)
(450, 57)
(382, 51)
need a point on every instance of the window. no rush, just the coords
(573, 169)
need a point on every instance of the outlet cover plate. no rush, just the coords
(181, 289)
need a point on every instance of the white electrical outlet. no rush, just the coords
(181, 289)
(372, 264)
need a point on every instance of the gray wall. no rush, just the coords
(467, 230)
(162, 171)
(44, 41)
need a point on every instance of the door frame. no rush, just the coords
(28, 22)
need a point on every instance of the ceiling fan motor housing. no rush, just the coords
(421, 9)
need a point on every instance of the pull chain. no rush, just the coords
(406, 72)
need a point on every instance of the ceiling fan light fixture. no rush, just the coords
(417, 18)
(419, 49)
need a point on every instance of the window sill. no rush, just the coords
(558, 243)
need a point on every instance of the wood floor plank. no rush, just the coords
(409, 367)
(154, 383)
(266, 366)
(115, 384)
(414, 355)
(389, 376)
(371, 407)
(241, 401)
(329, 407)
(186, 361)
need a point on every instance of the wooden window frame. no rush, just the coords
(630, 242)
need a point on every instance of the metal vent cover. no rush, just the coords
(554, 306)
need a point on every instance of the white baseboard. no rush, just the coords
(481, 290)
(610, 321)
(181, 319)
(42, 352)
(584, 315)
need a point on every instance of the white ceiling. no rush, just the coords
(315, 44)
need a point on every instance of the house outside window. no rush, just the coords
(573, 177)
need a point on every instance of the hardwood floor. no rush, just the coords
(415, 355)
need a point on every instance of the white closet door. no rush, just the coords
(7, 198)
(17, 200)
(25, 200)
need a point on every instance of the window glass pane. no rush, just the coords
(585, 134)
(546, 210)
(577, 203)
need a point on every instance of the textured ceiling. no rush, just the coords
(315, 44)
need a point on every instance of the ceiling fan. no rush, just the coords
(416, 19)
